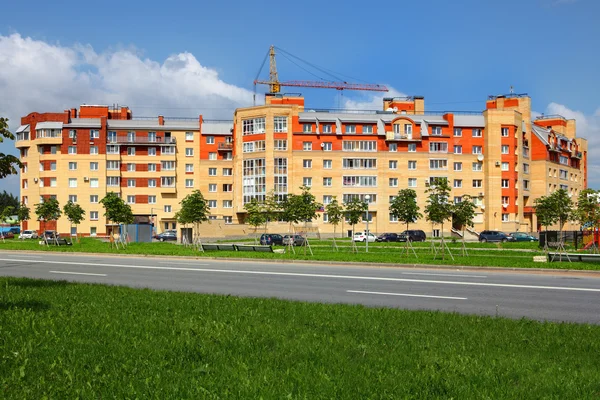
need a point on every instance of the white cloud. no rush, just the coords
(44, 77)
(371, 101)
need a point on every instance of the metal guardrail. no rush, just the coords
(144, 139)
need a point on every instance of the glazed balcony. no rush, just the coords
(225, 147)
(149, 140)
(400, 137)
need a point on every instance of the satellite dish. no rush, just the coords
(480, 157)
(395, 109)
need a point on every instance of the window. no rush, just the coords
(525, 168)
(457, 199)
(564, 160)
(457, 132)
(189, 183)
(73, 198)
(326, 128)
(72, 150)
(168, 166)
(212, 172)
(505, 200)
(131, 151)
(152, 199)
(72, 182)
(189, 167)
(504, 132)
(438, 164)
(73, 134)
(112, 181)
(327, 199)
(257, 145)
(167, 181)
(94, 198)
(436, 131)
(167, 150)
(72, 166)
(53, 166)
(350, 129)
(563, 174)
(94, 134)
(458, 166)
(228, 219)
(394, 147)
(457, 183)
(152, 151)
(94, 183)
(130, 182)
(212, 187)
(212, 156)
(505, 149)
(151, 183)
(307, 128)
(151, 167)
(52, 182)
(393, 182)
(227, 171)
(504, 217)
(327, 146)
(412, 182)
(280, 124)
(476, 132)
(367, 129)
(212, 204)
(525, 184)
(227, 203)
(189, 152)
(189, 136)
(94, 215)
(477, 183)
(504, 166)
(130, 199)
(167, 209)
(253, 126)
(477, 150)
(227, 187)
(209, 140)
(307, 163)
(438, 147)
(477, 166)
(327, 181)
(505, 183)
(327, 164)
(307, 146)
(112, 149)
(360, 145)
(307, 181)
(131, 167)
(393, 218)
(360, 181)
(393, 164)
(457, 149)
(412, 164)
(280, 144)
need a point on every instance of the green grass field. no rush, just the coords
(62, 340)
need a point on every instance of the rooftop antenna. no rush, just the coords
(512, 89)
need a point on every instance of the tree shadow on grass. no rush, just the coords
(32, 305)
(36, 283)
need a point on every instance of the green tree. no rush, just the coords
(255, 215)
(354, 211)
(6, 213)
(23, 213)
(9, 164)
(301, 207)
(8, 199)
(74, 213)
(335, 213)
(588, 211)
(463, 216)
(562, 207)
(48, 210)
(439, 209)
(194, 210)
(271, 207)
(404, 207)
(118, 212)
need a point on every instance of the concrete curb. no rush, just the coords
(595, 273)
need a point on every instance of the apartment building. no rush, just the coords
(499, 157)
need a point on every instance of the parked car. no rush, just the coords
(495, 236)
(166, 235)
(297, 240)
(51, 234)
(414, 235)
(7, 235)
(523, 237)
(28, 235)
(15, 229)
(268, 239)
(387, 237)
(362, 237)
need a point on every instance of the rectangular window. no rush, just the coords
(457, 132)
(350, 128)
(227, 187)
(504, 166)
(212, 204)
(152, 151)
(94, 215)
(307, 181)
(72, 149)
(307, 146)
(210, 140)
(436, 131)
(477, 150)
(306, 128)
(167, 181)
(131, 151)
(438, 164)
(168, 166)
(189, 167)
(359, 163)
(457, 183)
(327, 181)
(53, 166)
(253, 126)
(504, 149)
(130, 182)
(564, 160)
(477, 166)
(112, 181)
(151, 183)
(280, 144)
(307, 163)
(457, 199)
(280, 124)
(189, 183)
(505, 183)
(327, 199)
(327, 146)
(327, 164)
(94, 198)
(412, 182)
(52, 182)
(393, 164)
(189, 152)
(504, 217)
(72, 166)
(476, 132)
(525, 168)
(227, 203)
(457, 166)
(326, 128)
(72, 182)
(152, 199)
(438, 147)
(94, 134)
(130, 199)
(504, 132)
(167, 150)
(393, 218)
(393, 182)
(94, 183)
(359, 145)
(212, 156)
(227, 172)
(477, 183)
(412, 164)
(505, 201)
(112, 149)
(367, 129)
(212, 187)
(525, 184)
(151, 167)
(212, 172)
(457, 149)
(394, 147)
(131, 167)
(73, 134)
(167, 208)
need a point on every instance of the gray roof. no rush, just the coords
(84, 123)
(23, 128)
(217, 127)
(541, 133)
(49, 125)
(369, 118)
(170, 125)
(471, 121)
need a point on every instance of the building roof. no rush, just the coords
(84, 123)
(217, 127)
(23, 128)
(169, 125)
(49, 125)
(541, 133)
(368, 117)
(471, 121)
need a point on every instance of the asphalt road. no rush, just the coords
(541, 296)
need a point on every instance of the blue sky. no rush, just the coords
(186, 58)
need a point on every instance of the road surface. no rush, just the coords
(540, 296)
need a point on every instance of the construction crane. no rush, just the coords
(275, 84)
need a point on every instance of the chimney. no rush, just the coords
(161, 120)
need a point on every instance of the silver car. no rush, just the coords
(28, 235)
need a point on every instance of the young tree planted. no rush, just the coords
(255, 216)
(335, 214)
(118, 212)
(588, 212)
(464, 214)
(404, 207)
(23, 213)
(48, 210)
(194, 210)
(354, 211)
(301, 207)
(439, 209)
(74, 213)
(544, 211)
(271, 207)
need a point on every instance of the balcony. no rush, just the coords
(225, 146)
(168, 184)
(150, 140)
(577, 154)
(22, 140)
(398, 137)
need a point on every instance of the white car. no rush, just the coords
(28, 235)
(362, 237)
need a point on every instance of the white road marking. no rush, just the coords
(76, 273)
(180, 263)
(454, 275)
(407, 295)
(366, 278)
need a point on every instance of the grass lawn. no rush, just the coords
(64, 340)
(519, 255)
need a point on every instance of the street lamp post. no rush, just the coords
(367, 198)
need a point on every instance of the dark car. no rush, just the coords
(523, 237)
(51, 234)
(271, 239)
(15, 229)
(495, 236)
(387, 237)
(166, 235)
(7, 235)
(295, 240)
(414, 235)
